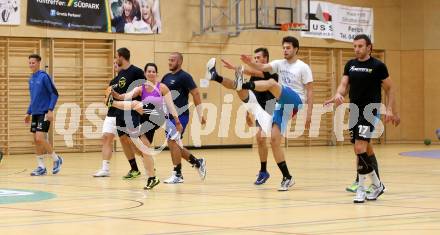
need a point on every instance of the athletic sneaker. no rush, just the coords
(39, 171)
(369, 189)
(131, 175)
(239, 79)
(353, 187)
(102, 173)
(376, 192)
(202, 169)
(286, 184)
(211, 72)
(360, 195)
(262, 177)
(174, 179)
(57, 165)
(151, 182)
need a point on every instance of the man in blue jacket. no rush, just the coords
(43, 97)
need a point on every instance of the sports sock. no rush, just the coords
(283, 167)
(218, 78)
(194, 161)
(375, 178)
(40, 161)
(248, 85)
(263, 167)
(133, 164)
(105, 165)
(178, 169)
(54, 156)
(374, 164)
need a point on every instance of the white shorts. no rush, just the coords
(109, 125)
(263, 118)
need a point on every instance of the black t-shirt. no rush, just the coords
(265, 98)
(126, 81)
(365, 79)
(180, 85)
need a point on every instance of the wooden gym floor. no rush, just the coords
(227, 202)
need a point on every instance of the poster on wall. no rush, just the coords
(351, 21)
(10, 12)
(135, 16)
(321, 18)
(339, 22)
(87, 15)
(119, 16)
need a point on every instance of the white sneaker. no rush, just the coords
(202, 168)
(360, 195)
(210, 70)
(102, 173)
(239, 80)
(375, 192)
(286, 184)
(174, 179)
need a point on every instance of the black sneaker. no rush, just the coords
(151, 182)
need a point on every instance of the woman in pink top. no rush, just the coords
(155, 107)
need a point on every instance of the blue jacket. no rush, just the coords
(44, 94)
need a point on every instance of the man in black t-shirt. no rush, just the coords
(181, 84)
(263, 99)
(115, 123)
(364, 77)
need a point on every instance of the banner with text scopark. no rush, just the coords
(86, 15)
(339, 22)
(119, 16)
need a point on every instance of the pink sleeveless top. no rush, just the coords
(153, 102)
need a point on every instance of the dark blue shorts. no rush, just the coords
(171, 131)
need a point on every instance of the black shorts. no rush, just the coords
(362, 129)
(149, 125)
(128, 126)
(39, 123)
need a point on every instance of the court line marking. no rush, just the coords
(151, 221)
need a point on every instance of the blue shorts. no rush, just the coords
(288, 102)
(171, 131)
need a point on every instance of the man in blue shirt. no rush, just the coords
(43, 97)
(181, 84)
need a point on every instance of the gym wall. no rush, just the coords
(405, 37)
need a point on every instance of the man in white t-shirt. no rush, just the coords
(293, 89)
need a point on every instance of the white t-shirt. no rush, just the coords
(295, 75)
